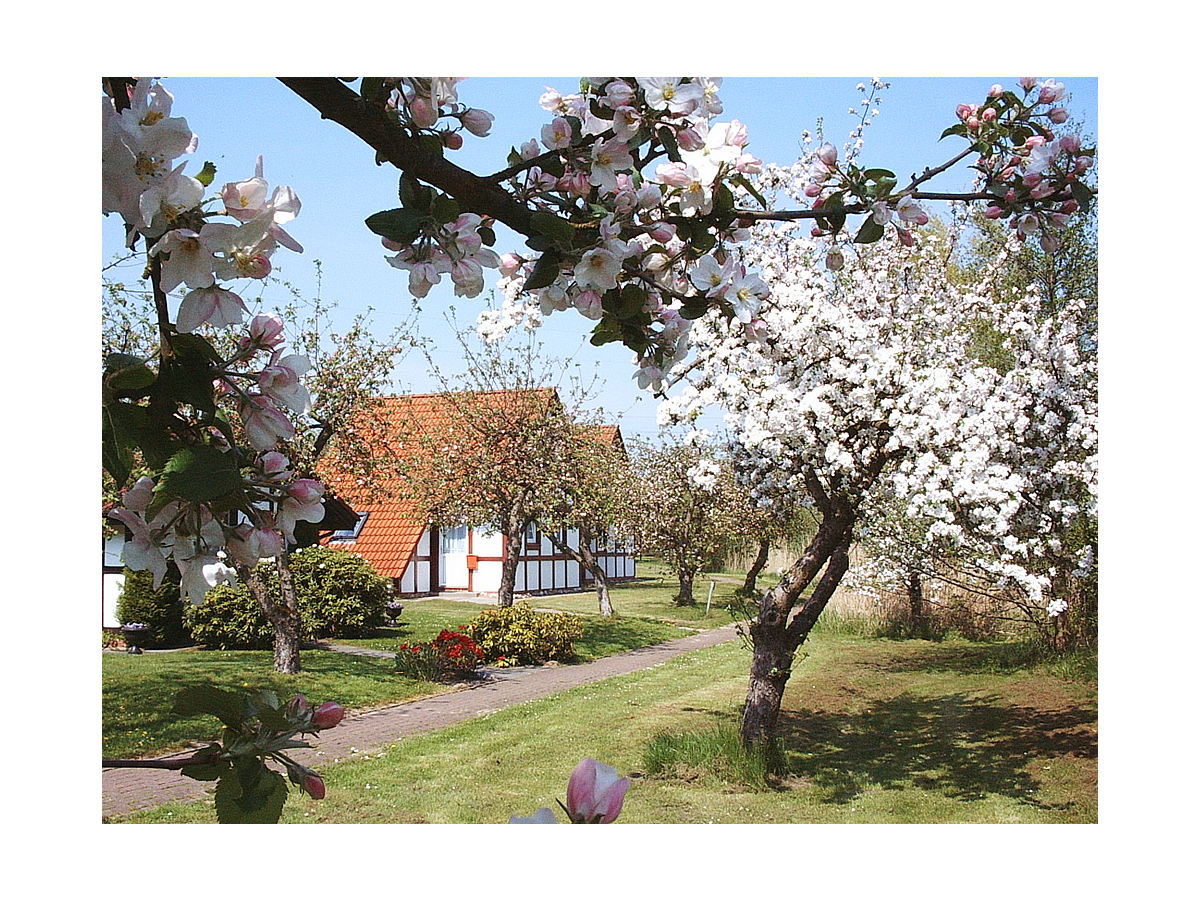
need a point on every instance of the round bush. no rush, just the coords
(523, 637)
(339, 593)
(339, 596)
(230, 619)
(160, 609)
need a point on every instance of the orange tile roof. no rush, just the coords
(389, 537)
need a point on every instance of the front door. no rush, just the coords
(453, 558)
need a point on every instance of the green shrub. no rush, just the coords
(519, 636)
(230, 619)
(160, 609)
(338, 593)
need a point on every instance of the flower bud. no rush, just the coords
(477, 121)
(812, 190)
(827, 153)
(327, 715)
(314, 786)
(1069, 143)
(297, 706)
(688, 139)
(996, 91)
(973, 123)
(834, 260)
(993, 212)
(452, 140)
(1027, 82)
(988, 115)
(422, 112)
(1058, 115)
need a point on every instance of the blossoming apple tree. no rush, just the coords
(866, 388)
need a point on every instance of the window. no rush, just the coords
(531, 533)
(350, 534)
(454, 540)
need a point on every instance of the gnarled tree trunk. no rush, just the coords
(283, 615)
(514, 542)
(687, 577)
(584, 556)
(750, 585)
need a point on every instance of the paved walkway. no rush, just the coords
(125, 790)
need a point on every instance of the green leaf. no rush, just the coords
(702, 241)
(869, 233)
(545, 270)
(605, 332)
(403, 225)
(722, 199)
(250, 793)
(1082, 195)
(960, 129)
(554, 227)
(414, 195)
(204, 699)
(486, 234)
(745, 182)
(205, 175)
(878, 174)
(633, 302)
(667, 137)
(601, 112)
(127, 375)
(372, 89)
(199, 473)
(445, 209)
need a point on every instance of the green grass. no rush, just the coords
(139, 690)
(871, 731)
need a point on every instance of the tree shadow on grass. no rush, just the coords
(962, 745)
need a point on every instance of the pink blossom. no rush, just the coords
(265, 424)
(556, 134)
(993, 212)
(595, 794)
(273, 464)
(214, 305)
(1069, 143)
(510, 263)
(995, 91)
(1027, 82)
(266, 332)
(281, 381)
(1051, 90)
(452, 140)
(827, 153)
(1058, 115)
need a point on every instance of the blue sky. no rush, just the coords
(334, 175)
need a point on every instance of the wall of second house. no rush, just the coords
(416, 577)
(113, 581)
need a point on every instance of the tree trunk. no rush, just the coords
(776, 639)
(918, 619)
(750, 585)
(685, 597)
(514, 541)
(283, 616)
(587, 559)
(287, 625)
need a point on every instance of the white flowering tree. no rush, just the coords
(864, 388)
(686, 508)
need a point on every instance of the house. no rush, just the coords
(396, 535)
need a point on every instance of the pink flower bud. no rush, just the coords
(509, 263)
(451, 140)
(1070, 143)
(305, 490)
(1027, 82)
(314, 786)
(688, 139)
(827, 153)
(993, 212)
(834, 260)
(1058, 115)
(995, 91)
(266, 331)
(988, 115)
(297, 706)
(594, 793)
(327, 715)
(906, 237)
(1031, 180)
(1083, 164)
(964, 111)
(258, 266)
(422, 112)
(973, 123)
(477, 121)
(1069, 207)
(813, 190)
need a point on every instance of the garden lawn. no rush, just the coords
(139, 691)
(873, 731)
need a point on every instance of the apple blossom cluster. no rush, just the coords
(595, 795)
(422, 104)
(184, 512)
(631, 188)
(1034, 174)
(874, 390)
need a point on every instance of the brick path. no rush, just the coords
(125, 790)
